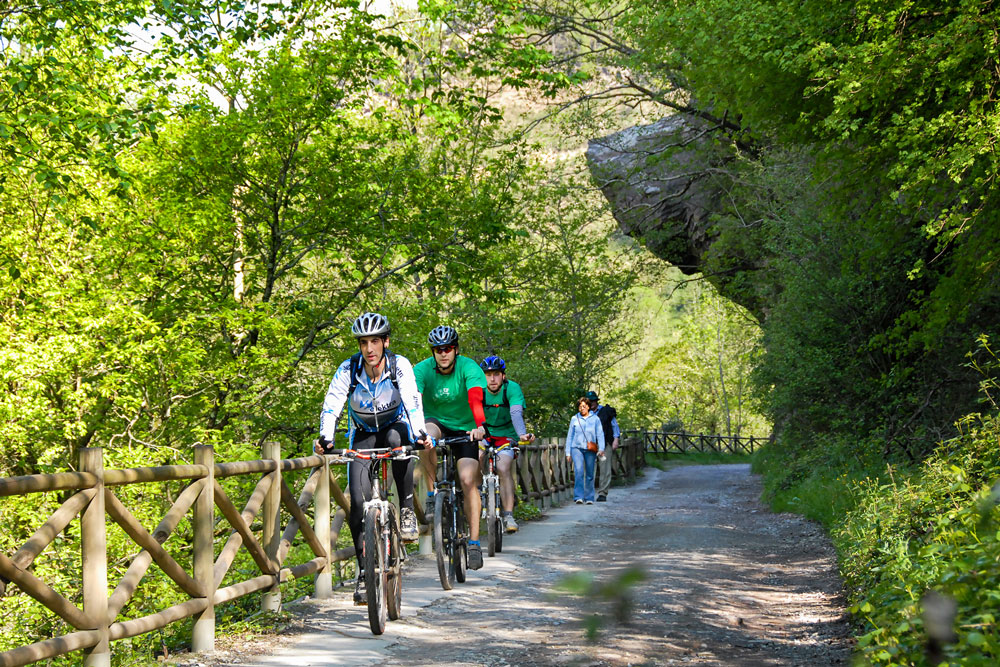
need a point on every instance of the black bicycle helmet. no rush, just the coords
(442, 335)
(493, 363)
(370, 324)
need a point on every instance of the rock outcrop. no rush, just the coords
(664, 181)
(655, 178)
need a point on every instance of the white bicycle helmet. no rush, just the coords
(370, 324)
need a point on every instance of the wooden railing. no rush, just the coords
(680, 443)
(545, 479)
(95, 624)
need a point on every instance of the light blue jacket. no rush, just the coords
(583, 430)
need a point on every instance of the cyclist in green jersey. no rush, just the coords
(451, 387)
(504, 407)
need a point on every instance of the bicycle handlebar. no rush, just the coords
(453, 440)
(402, 452)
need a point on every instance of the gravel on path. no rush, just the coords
(724, 582)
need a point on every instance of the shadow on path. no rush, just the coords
(727, 583)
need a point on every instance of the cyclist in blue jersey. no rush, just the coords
(384, 410)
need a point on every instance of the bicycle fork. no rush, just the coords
(385, 531)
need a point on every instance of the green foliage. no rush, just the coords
(612, 598)
(934, 528)
(526, 512)
(698, 378)
(555, 305)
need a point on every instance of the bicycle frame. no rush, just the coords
(490, 461)
(382, 542)
(450, 540)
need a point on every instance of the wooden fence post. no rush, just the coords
(94, 548)
(323, 587)
(271, 600)
(559, 447)
(544, 463)
(631, 449)
(203, 633)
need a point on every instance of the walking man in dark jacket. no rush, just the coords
(609, 422)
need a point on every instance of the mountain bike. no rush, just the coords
(451, 532)
(382, 551)
(491, 497)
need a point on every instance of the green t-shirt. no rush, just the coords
(446, 397)
(498, 416)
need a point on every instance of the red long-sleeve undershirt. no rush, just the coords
(476, 404)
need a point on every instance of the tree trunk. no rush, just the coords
(722, 374)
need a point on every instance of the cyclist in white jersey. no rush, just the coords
(384, 410)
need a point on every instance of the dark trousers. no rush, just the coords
(394, 435)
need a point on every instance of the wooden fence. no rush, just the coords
(95, 624)
(544, 476)
(679, 443)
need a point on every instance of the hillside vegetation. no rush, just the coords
(849, 150)
(199, 196)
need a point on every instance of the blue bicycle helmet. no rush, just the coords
(493, 363)
(442, 335)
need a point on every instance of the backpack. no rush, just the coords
(505, 402)
(606, 414)
(390, 366)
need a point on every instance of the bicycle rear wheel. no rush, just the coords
(394, 565)
(492, 534)
(444, 543)
(460, 551)
(375, 570)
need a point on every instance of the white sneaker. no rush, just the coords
(510, 525)
(590, 502)
(408, 525)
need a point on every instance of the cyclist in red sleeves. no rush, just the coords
(451, 387)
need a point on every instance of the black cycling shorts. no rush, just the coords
(466, 450)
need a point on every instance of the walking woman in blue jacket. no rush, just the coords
(584, 443)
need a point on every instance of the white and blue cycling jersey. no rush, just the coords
(374, 404)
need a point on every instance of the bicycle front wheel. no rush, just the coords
(394, 565)
(460, 553)
(492, 534)
(444, 543)
(375, 570)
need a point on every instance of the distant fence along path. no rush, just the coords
(271, 520)
(667, 442)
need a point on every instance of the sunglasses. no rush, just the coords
(444, 349)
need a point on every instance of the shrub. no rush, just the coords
(934, 528)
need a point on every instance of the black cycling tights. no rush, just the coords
(394, 435)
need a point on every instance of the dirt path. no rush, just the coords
(726, 583)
